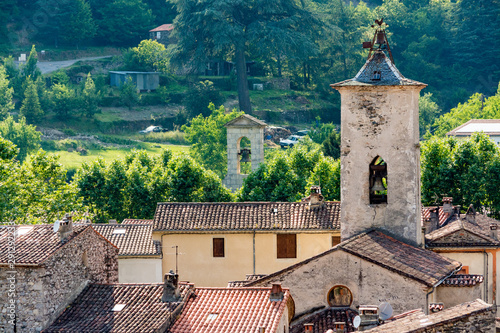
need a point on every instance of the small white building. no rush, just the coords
(139, 257)
(490, 127)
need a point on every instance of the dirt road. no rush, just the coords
(52, 66)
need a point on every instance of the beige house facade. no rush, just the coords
(210, 244)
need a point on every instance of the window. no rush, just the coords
(464, 270)
(218, 247)
(378, 181)
(158, 35)
(340, 296)
(287, 245)
(335, 240)
(376, 76)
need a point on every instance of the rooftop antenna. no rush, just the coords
(379, 41)
(56, 226)
(384, 311)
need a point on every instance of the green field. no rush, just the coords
(73, 160)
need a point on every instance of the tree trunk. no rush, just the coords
(279, 64)
(241, 76)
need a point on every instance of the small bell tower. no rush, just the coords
(249, 129)
(380, 151)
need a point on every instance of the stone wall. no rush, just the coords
(369, 284)
(381, 121)
(43, 292)
(483, 322)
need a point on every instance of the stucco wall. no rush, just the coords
(451, 296)
(370, 284)
(139, 270)
(197, 265)
(380, 121)
(477, 265)
(43, 292)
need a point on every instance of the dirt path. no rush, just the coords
(52, 66)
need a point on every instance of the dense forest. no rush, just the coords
(450, 45)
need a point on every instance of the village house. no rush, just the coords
(213, 243)
(162, 34)
(130, 307)
(139, 257)
(51, 268)
(470, 238)
(490, 127)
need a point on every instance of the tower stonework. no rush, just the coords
(380, 152)
(253, 129)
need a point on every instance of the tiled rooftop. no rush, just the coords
(97, 309)
(463, 280)
(374, 246)
(34, 243)
(426, 214)
(414, 262)
(130, 239)
(136, 221)
(163, 27)
(416, 321)
(231, 310)
(483, 239)
(192, 217)
(389, 74)
(325, 320)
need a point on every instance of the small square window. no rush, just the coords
(335, 240)
(218, 247)
(376, 76)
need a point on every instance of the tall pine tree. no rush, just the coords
(31, 108)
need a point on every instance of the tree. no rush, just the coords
(208, 139)
(199, 97)
(428, 111)
(31, 108)
(64, 100)
(149, 56)
(326, 173)
(125, 22)
(6, 104)
(76, 22)
(90, 98)
(220, 29)
(331, 145)
(129, 94)
(30, 69)
(24, 136)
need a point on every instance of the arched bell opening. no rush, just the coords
(378, 181)
(244, 158)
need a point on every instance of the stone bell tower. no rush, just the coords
(238, 128)
(380, 151)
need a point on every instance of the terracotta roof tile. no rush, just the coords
(416, 321)
(130, 239)
(435, 307)
(163, 27)
(426, 214)
(249, 278)
(325, 320)
(191, 217)
(414, 262)
(456, 226)
(34, 243)
(92, 310)
(136, 221)
(463, 280)
(231, 310)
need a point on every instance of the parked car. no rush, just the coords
(290, 141)
(155, 129)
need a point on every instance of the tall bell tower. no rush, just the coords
(380, 151)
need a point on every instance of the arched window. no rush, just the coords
(244, 159)
(340, 296)
(378, 181)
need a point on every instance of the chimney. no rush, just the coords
(434, 218)
(316, 199)
(308, 328)
(493, 231)
(65, 228)
(447, 206)
(112, 222)
(262, 329)
(171, 291)
(340, 326)
(276, 293)
(470, 216)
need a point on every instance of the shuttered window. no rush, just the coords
(218, 247)
(287, 245)
(335, 240)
